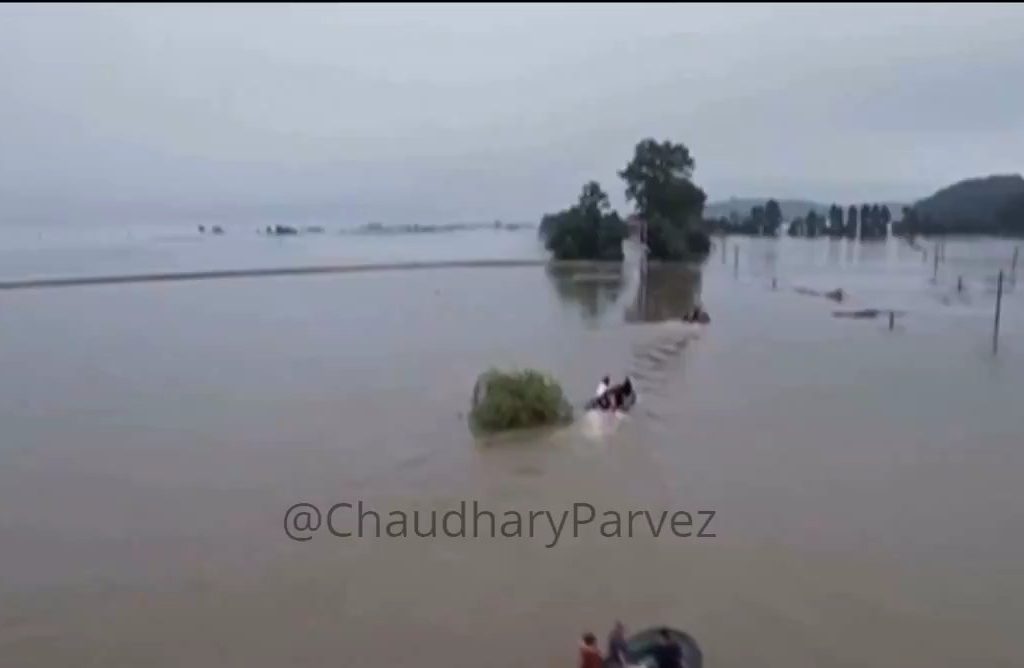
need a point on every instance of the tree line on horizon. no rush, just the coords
(988, 205)
(867, 221)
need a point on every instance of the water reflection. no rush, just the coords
(593, 289)
(665, 293)
(835, 249)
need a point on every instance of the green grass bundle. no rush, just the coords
(504, 400)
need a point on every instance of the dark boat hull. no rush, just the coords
(641, 646)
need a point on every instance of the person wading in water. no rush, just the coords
(590, 655)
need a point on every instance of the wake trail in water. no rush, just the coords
(655, 363)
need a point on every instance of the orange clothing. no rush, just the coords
(590, 657)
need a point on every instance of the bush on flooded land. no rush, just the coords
(589, 230)
(504, 400)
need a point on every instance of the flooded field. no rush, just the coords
(864, 481)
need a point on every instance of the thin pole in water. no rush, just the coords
(959, 283)
(1013, 265)
(892, 320)
(723, 250)
(935, 274)
(999, 305)
(736, 261)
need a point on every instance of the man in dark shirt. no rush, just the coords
(618, 650)
(667, 654)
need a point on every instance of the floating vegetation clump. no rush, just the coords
(505, 400)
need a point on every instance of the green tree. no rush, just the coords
(814, 224)
(772, 217)
(796, 227)
(587, 231)
(835, 220)
(757, 219)
(592, 198)
(851, 221)
(659, 183)
(878, 223)
(909, 225)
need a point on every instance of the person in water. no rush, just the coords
(626, 390)
(668, 653)
(698, 315)
(590, 655)
(617, 647)
(621, 394)
(612, 397)
(603, 401)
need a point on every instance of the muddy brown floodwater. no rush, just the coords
(865, 483)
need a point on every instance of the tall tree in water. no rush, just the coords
(909, 224)
(772, 218)
(587, 231)
(835, 220)
(851, 221)
(814, 224)
(659, 183)
(757, 219)
(796, 228)
(593, 198)
(877, 226)
(886, 215)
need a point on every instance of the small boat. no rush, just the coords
(641, 647)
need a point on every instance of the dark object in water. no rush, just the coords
(865, 313)
(640, 648)
(217, 229)
(836, 295)
(699, 316)
(595, 403)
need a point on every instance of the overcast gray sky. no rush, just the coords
(403, 113)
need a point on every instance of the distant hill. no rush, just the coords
(791, 208)
(986, 204)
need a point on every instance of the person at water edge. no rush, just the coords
(621, 394)
(626, 390)
(590, 655)
(602, 390)
(617, 647)
(698, 315)
(667, 654)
